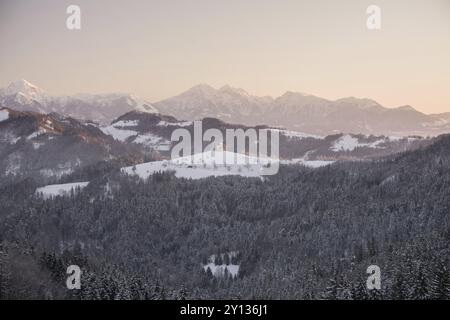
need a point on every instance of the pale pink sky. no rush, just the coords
(157, 49)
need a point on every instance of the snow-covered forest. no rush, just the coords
(301, 234)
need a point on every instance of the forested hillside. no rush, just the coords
(302, 234)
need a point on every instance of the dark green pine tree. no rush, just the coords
(440, 282)
(419, 286)
(4, 275)
(181, 294)
(226, 259)
(375, 294)
(398, 290)
(359, 291)
(337, 289)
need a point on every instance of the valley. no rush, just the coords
(108, 196)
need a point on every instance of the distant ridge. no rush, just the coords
(292, 110)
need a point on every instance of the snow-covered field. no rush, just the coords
(54, 190)
(4, 115)
(349, 143)
(202, 165)
(215, 164)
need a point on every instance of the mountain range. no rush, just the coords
(21, 95)
(51, 146)
(303, 112)
(293, 111)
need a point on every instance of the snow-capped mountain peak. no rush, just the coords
(25, 89)
(235, 91)
(200, 89)
(406, 108)
(142, 105)
(360, 103)
(22, 95)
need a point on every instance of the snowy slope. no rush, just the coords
(129, 131)
(118, 133)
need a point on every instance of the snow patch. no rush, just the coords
(179, 124)
(153, 141)
(55, 172)
(118, 134)
(35, 134)
(308, 163)
(219, 271)
(226, 265)
(4, 115)
(54, 190)
(390, 179)
(349, 143)
(202, 165)
(8, 137)
(296, 134)
(126, 123)
(37, 145)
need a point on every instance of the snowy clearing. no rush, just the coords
(219, 271)
(220, 266)
(202, 165)
(54, 190)
(349, 143)
(215, 164)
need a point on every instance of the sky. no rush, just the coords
(157, 49)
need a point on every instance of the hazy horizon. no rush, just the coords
(159, 49)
